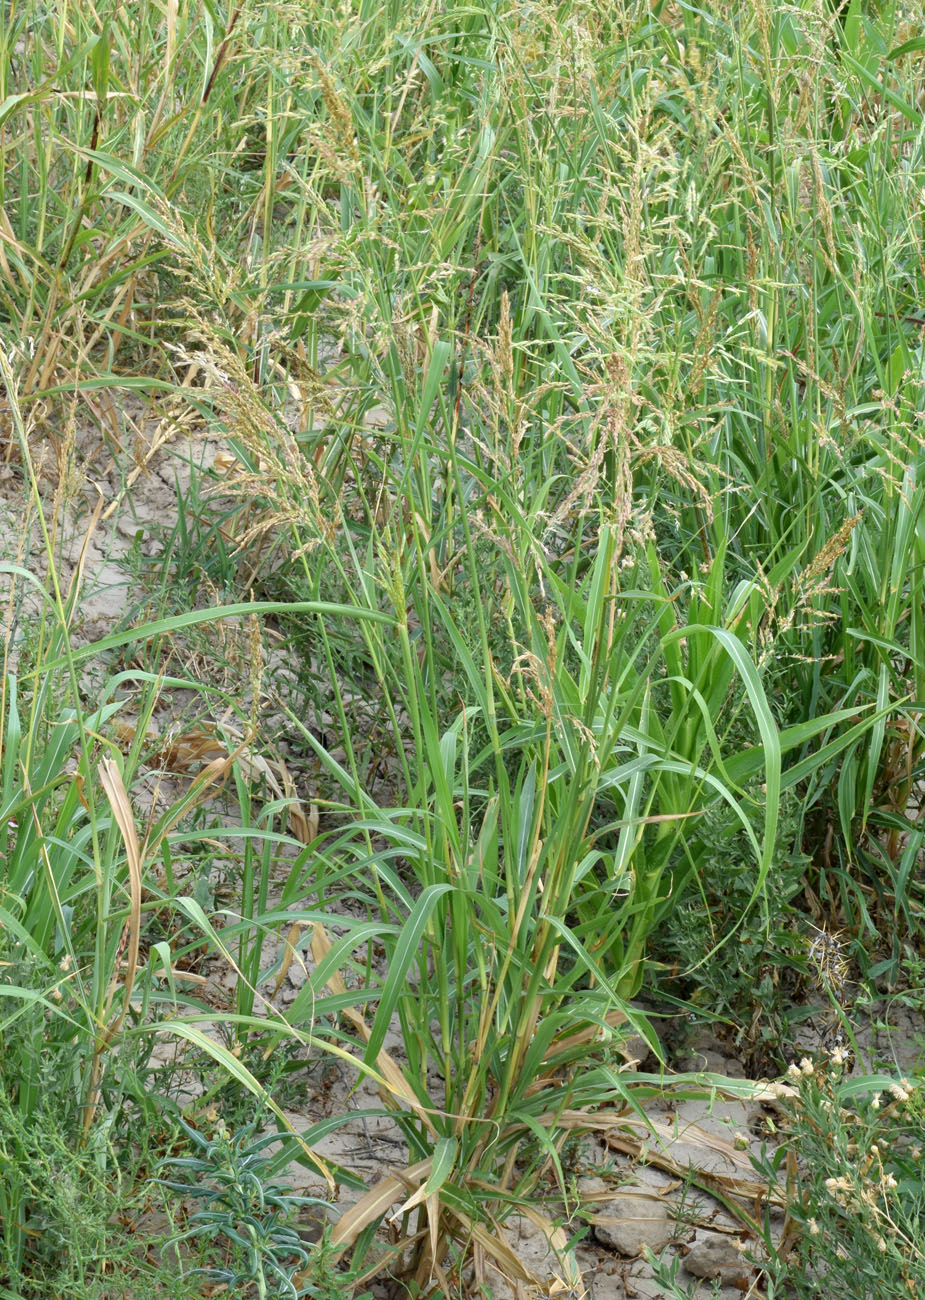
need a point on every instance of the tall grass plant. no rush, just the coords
(569, 365)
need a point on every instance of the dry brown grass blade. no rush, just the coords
(213, 774)
(651, 1141)
(111, 781)
(197, 746)
(200, 745)
(558, 1240)
(304, 827)
(743, 1188)
(289, 955)
(377, 1202)
(431, 1203)
(504, 1256)
(23, 254)
(792, 1228)
(640, 1194)
(254, 766)
(401, 1089)
(398, 1086)
(227, 465)
(618, 1193)
(433, 1225)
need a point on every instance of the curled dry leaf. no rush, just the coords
(226, 465)
(200, 745)
(290, 952)
(378, 1201)
(304, 827)
(193, 747)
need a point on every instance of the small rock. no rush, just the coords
(715, 1256)
(297, 973)
(635, 1051)
(631, 1222)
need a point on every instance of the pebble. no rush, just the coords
(715, 1257)
(630, 1223)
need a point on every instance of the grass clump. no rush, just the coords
(568, 369)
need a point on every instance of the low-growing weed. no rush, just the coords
(248, 1218)
(77, 1222)
(851, 1167)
